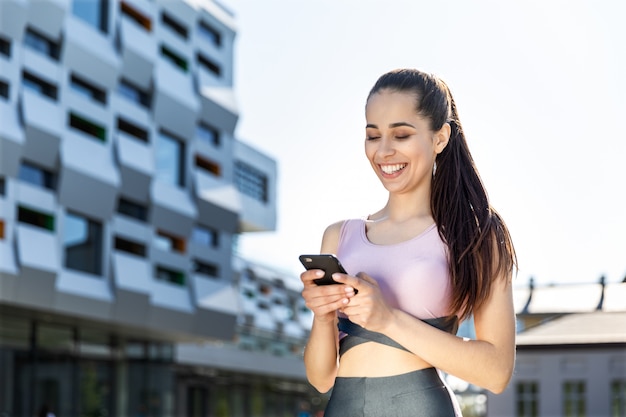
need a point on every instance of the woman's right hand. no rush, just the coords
(324, 300)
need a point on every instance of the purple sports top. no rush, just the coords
(413, 275)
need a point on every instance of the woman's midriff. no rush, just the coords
(373, 359)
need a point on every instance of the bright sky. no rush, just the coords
(541, 91)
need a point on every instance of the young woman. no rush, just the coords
(435, 254)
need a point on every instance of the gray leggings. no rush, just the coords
(414, 394)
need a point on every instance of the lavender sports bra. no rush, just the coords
(413, 275)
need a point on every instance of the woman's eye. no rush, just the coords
(402, 136)
(372, 137)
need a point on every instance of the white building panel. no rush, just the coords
(13, 15)
(172, 210)
(87, 165)
(81, 40)
(43, 121)
(38, 248)
(175, 103)
(84, 285)
(139, 53)
(132, 273)
(136, 161)
(48, 16)
(171, 296)
(11, 139)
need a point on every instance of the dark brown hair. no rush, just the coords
(479, 244)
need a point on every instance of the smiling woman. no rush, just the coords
(434, 255)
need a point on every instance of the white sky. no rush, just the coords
(541, 91)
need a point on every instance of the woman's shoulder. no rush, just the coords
(332, 234)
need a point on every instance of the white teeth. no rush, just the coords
(391, 169)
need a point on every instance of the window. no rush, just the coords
(37, 176)
(39, 86)
(574, 399)
(87, 126)
(618, 398)
(205, 236)
(1, 229)
(132, 129)
(208, 134)
(169, 275)
(207, 32)
(527, 399)
(35, 218)
(176, 27)
(209, 65)
(209, 166)
(88, 89)
(4, 89)
(131, 209)
(251, 181)
(170, 166)
(205, 268)
(169, 242)
(136, 16)
(133, 93)
(130, 246)
(42, 44)
(174, 58)
(94, 12)
(5, 46)
(82, 242)
(2, 186)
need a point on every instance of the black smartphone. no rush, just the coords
(327, 263)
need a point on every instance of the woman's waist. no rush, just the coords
(373, 359)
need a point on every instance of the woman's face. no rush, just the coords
(399, 143)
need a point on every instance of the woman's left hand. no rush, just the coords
(368, 307)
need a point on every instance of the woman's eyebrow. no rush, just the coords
(392, 125)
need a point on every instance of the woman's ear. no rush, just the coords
(442, 137)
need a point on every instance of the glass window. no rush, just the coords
(168, 242)
(207, 32)
(37, 176)
(618, 398)
(574, 399)
(133, 93)
(136, 16)
(205, 236)
(132, 129)
(132, 209)
(41, 43)
(169, 275)
(4, 89)
(170, 160)
(175, 26)
(208, 134)
(88, 89)
(5, 46)
(82, 241)
(205, 268)
(1, 230)
(94, 12)
(527, 399)
(130, 246)
(208, 166)
(35, 218)
(209, 65)
(174, 58)
(39, 86)
(87, 126)
(2, 186)
(251, 181)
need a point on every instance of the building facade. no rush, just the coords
(571, 353)
(122, 192)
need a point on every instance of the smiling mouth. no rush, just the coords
(392, 169)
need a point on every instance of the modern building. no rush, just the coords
(122, 192)
(571, 353)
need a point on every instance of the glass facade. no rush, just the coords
(94, 12)
(82, 241)
(169, 160)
